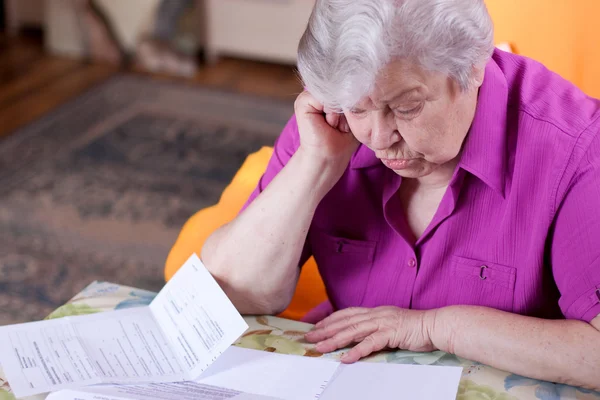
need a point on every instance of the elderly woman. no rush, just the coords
(449, 192)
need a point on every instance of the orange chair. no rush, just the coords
(310, 290)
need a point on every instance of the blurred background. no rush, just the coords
(121, 119)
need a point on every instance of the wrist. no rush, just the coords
(440, 328)
(326, 171)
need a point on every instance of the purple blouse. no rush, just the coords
(518, 228)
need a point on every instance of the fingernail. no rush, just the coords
(311, 336)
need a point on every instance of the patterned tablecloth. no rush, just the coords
(479, 382)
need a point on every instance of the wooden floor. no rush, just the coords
(33, 83)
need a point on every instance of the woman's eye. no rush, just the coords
(407, 112)
(358, 113)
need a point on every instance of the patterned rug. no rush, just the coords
(99, 189)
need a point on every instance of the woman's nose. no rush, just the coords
(383, 130)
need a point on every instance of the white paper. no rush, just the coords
(75, 394)
(364, 380)
(186, 334)
(197, 317)
(188, 325)
(128, 346)
(270, 374)
(162, 391)
(37, 356)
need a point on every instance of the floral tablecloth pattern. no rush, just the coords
(479, 382)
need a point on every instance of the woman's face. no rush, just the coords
(415, 121)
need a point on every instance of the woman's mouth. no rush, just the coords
(397, 164)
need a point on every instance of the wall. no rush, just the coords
(20, 13)
(62, 35)
(590, 42)
(562, 34)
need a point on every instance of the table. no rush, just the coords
(479, 382)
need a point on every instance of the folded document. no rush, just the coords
(242, 373)
(179, 347)
(156, 391)
(189, 324)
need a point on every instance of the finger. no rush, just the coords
(330, 330)
(378, 312)
(340, 315)
(333, 120)
(343, 124)
(306, 103)
(371, 344)
(352, 334)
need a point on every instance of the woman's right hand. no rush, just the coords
(323, 134)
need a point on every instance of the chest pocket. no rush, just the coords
(345, 265)
(475, 282)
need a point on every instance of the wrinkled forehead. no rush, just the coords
(400, 82)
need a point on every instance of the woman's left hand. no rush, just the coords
(374, 329)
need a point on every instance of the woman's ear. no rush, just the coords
(478, 74)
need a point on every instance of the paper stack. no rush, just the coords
(179, 347)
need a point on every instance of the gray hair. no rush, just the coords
(348, 42)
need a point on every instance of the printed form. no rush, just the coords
(179, 347)
(163, 391)
(240, 372)
(187, 326)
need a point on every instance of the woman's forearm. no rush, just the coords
(255, 257)
(563, 351)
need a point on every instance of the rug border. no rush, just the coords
(182, 84)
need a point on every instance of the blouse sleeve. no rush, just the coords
(575, 251)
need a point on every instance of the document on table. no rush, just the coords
(180, 334)
(244, 372)
(365, 380)
(270, 374)
(159, 391)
